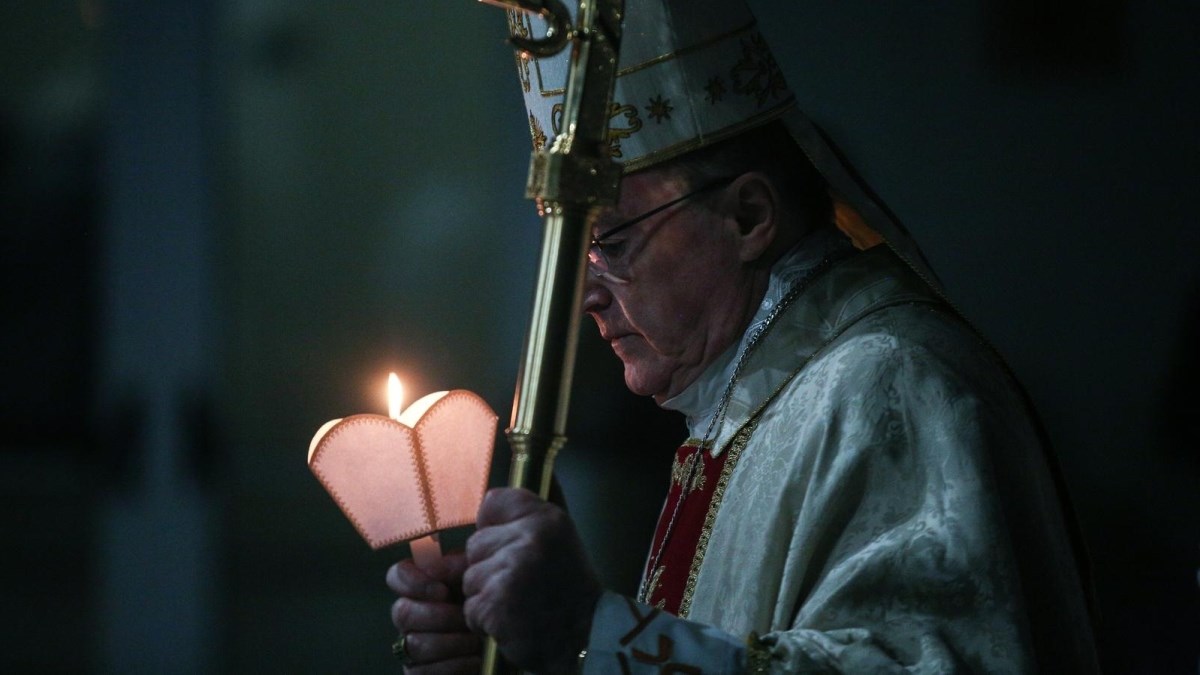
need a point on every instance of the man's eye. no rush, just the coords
(614, 249)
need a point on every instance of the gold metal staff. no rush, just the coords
(574, 177)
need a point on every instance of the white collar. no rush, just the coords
(699, 401)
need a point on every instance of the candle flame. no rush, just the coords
(395, 395)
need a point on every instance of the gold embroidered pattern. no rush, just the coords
(519, 26)
(756, 73)
(672, 151)
(535, 131)
(633, 123)
(660, 109)
(655, 578)
(740, 439)
(681, 469)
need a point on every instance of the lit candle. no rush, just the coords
(395, 396)
(426, 551)
(412, 473)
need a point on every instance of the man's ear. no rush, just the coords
(757, 211)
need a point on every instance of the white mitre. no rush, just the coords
(692, 73)
(687, 77)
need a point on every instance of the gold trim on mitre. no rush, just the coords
(685, 80)
(683, 147)
(665, 57)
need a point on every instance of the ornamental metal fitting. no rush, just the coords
(557, 35)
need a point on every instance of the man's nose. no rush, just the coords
(596, 296)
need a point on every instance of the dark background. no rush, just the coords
(223, 223)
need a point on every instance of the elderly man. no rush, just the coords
(864, 489)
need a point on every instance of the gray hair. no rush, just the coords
(772, 150)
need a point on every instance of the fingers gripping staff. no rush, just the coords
(529, 583)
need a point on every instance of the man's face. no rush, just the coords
(687, 296)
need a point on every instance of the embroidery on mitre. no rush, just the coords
(659, 109)
(662, 58)
(750, 66)
(519, 26)
(756, 73)
(671, 151)
(616, 131)
(714, 90)
(536, 133)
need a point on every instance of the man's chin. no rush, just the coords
(637, 383)
(640, 375)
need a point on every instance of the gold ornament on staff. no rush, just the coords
(574, 177)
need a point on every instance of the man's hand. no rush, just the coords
(430, 614)
(529, 583)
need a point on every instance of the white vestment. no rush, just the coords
(891, 511)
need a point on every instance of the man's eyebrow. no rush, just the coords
(604, 222)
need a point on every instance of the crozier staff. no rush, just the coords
(864, 488)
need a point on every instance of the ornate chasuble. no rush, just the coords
(878, 502)
(698, 481)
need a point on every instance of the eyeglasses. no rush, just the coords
(611, 259)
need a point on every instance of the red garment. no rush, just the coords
(673, 566)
